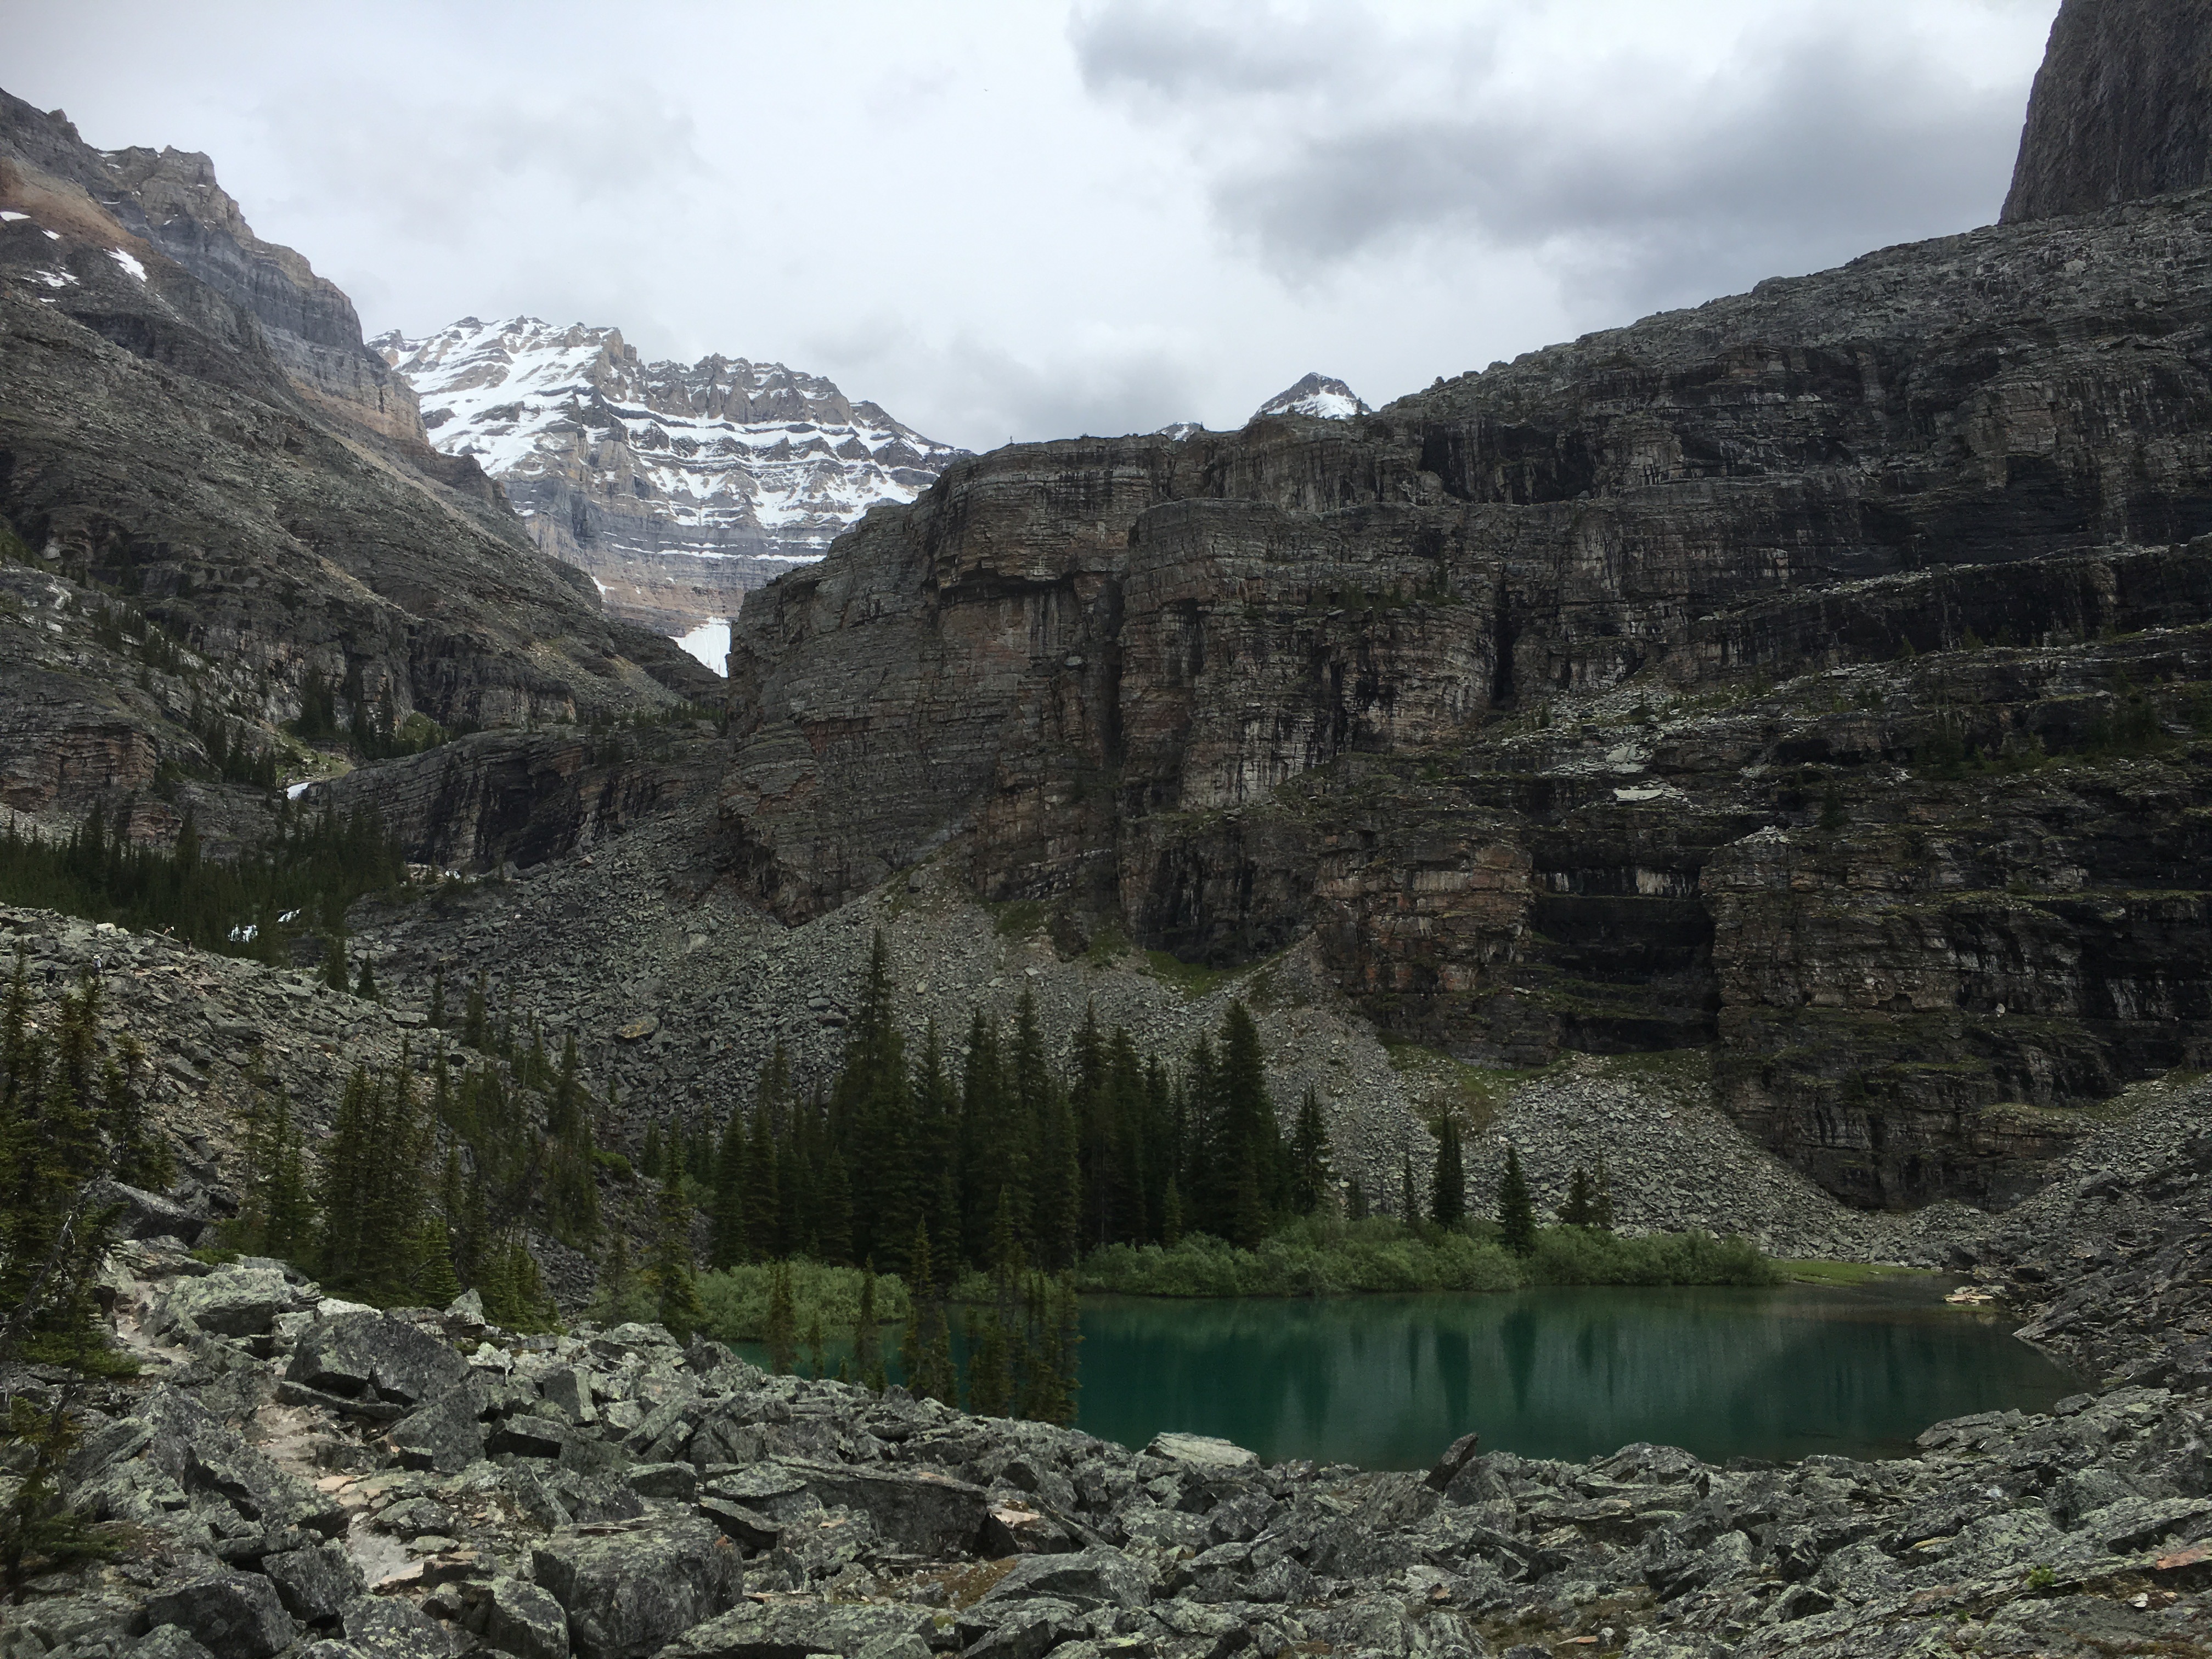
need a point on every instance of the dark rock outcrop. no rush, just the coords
(2122, 108)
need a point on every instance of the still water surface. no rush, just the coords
(1389, 1381)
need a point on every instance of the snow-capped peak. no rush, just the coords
(677, 486)
(1316, 395)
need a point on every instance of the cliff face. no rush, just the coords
(170, 200)
(168, 455)
(2122, 108)
(677, 487)
(1694, 682)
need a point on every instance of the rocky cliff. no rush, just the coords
(1814, 674)
(203, 512)
(678, 487)
(2122, 108)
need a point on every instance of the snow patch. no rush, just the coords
(710, 643)
(293, 791)
(128, 263)
(1318, 396)
(54, 278)
(9, 215)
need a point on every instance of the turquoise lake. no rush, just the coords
(1388, 1382)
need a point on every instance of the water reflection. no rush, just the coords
(1388, 1381)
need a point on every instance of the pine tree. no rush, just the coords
(476, 1015)
(729, 1246)
(366, 985)
(1355, 1201)
(675, 1291)
(436, 1285)
(1310, 1186)
(438, 999)
(1601, 1198)
(868, 1334)
(782, 1328)
(1517, 1216)
(334, 960)
(1448, 1190)
(1581, 1204)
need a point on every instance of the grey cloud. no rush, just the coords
(1177, 51)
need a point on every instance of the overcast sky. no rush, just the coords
(1032, 219)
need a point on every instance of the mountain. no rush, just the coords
(2119, 110)
(1317, 396)
(1819, 677)
(677, 487)
(215, 496)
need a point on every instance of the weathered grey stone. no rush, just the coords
(527, 1437)
(358, 1354)
(233, 1301)
(316, 1584)
(386, 1627)
(1204, 1453)
(628, 1591)
(793, 1629)
(445, 1435)
(166, 1641)
(234, 1615)
(1087, 1578)
(517, 1617)
(921, 1511)
(668, 1483)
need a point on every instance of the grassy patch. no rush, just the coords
(1194, 979)
(1844, 1274)
(1329, 1257)
(1019, 920)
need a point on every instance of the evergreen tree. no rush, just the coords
(868, 1335)
(334, 960)
(1355, 1201)
(611, 1303)
(675, 1292)
(815, 1344)
(1309, 1162)
(1517, 1216)
(475, 1016)
(729, 1245)
(782, 1328)
(1601, 1198)
(366, 985)
(436, 1285)
(1577, 1212)
(1448, 1188)
(438, 999)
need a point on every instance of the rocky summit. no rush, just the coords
(677, 487)
(1318, 397)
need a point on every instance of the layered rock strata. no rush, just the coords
(1617, 698)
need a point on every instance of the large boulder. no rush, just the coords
(316, 1584)
(1086, 1578)
(385, 1627)
(446, 1435)
(919, 1511)
(1204, 1454)
(234, 1615)
(794, 1630)
(370, 1357)
(235, 1301)
(627, 1592)
(141, 1214)
(516, 1617)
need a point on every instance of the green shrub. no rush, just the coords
(736, 1299)
(1582, 1256)
(1324, 1256)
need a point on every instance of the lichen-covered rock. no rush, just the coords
(315, 1583)
(371, 1357)
(234, 1615)
(232, 1301)
(628, 1590)
(792, 1630)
